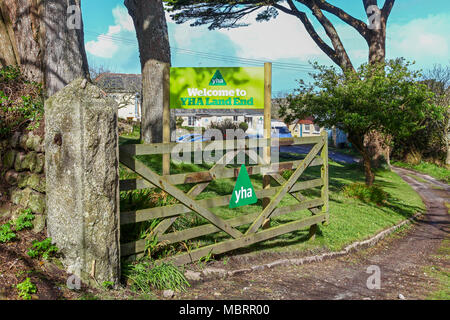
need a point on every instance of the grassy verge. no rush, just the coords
(441, 273)
(431, 169)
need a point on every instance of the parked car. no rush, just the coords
(191, 137)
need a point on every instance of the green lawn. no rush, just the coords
(350, 219)
(431, 169)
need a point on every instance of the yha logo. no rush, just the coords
(217, 79)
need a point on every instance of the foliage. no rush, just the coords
(437, 172)
(108, 285)
(224, 125)
(21, 102)
(384, 97)
(148, 275)
(43, 249)
(365, 193)
(243, 126)
(24, 220)
(431, 140)
(179, 122)
(6, 233)
(26, 288)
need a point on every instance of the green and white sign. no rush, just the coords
(217, 88)
(243, 192)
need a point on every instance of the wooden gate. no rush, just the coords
(318, 156)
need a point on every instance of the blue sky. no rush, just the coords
(418, 30)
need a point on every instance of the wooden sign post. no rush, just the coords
(166, 119)
(267, 129)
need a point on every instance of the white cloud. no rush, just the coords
(123, 19)
(108, 44)
(282, 38)
(424, 40)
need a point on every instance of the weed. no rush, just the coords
(26, 288)
(108, 285)
(365, 193)
(204, 260)
(24, 220)
(147, 275)
(6, 233)
(43, 248)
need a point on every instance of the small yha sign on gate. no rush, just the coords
(243, 192)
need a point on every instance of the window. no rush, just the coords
(316, 128)
(249, 120)
(307, 127)
(235, 118)
(190, 121)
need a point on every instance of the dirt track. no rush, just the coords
(401, 261)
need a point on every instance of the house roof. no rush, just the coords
(119, 82)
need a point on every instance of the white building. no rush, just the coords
(125, 89)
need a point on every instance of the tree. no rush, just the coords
(386, 97)
(433, 140)
(228, 14)
(44, 38)
(151, 31)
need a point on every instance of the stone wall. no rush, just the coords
(22, 173)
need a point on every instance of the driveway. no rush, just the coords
(333, 155)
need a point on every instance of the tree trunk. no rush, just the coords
(35, 36)
(367, 161)
(151, 31)
(358, 143)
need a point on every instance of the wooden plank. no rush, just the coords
(195, 232)
(245, 240)
(162, 183)
(325, 177)
(294, 191)
(128, 217)
(220, 173)
(177, 209)
(161, 148)
(265, 214)
(166, 118)
(267, 130)
(195, 191)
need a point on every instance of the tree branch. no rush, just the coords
(310, 29)
(387, 8)
(359, 25)
(340, 52)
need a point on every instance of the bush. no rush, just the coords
(243, 126)
(223, 126)
(21, 102)
(365, 193)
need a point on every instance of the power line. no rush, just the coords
(212, 56)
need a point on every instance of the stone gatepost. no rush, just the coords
(81, 159)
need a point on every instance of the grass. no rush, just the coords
(441, 274)
(431, 169)
(146, 276)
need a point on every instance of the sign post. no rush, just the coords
(166, 118)
(267, 130)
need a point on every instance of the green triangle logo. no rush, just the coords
(243, 192)
(217, 79)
